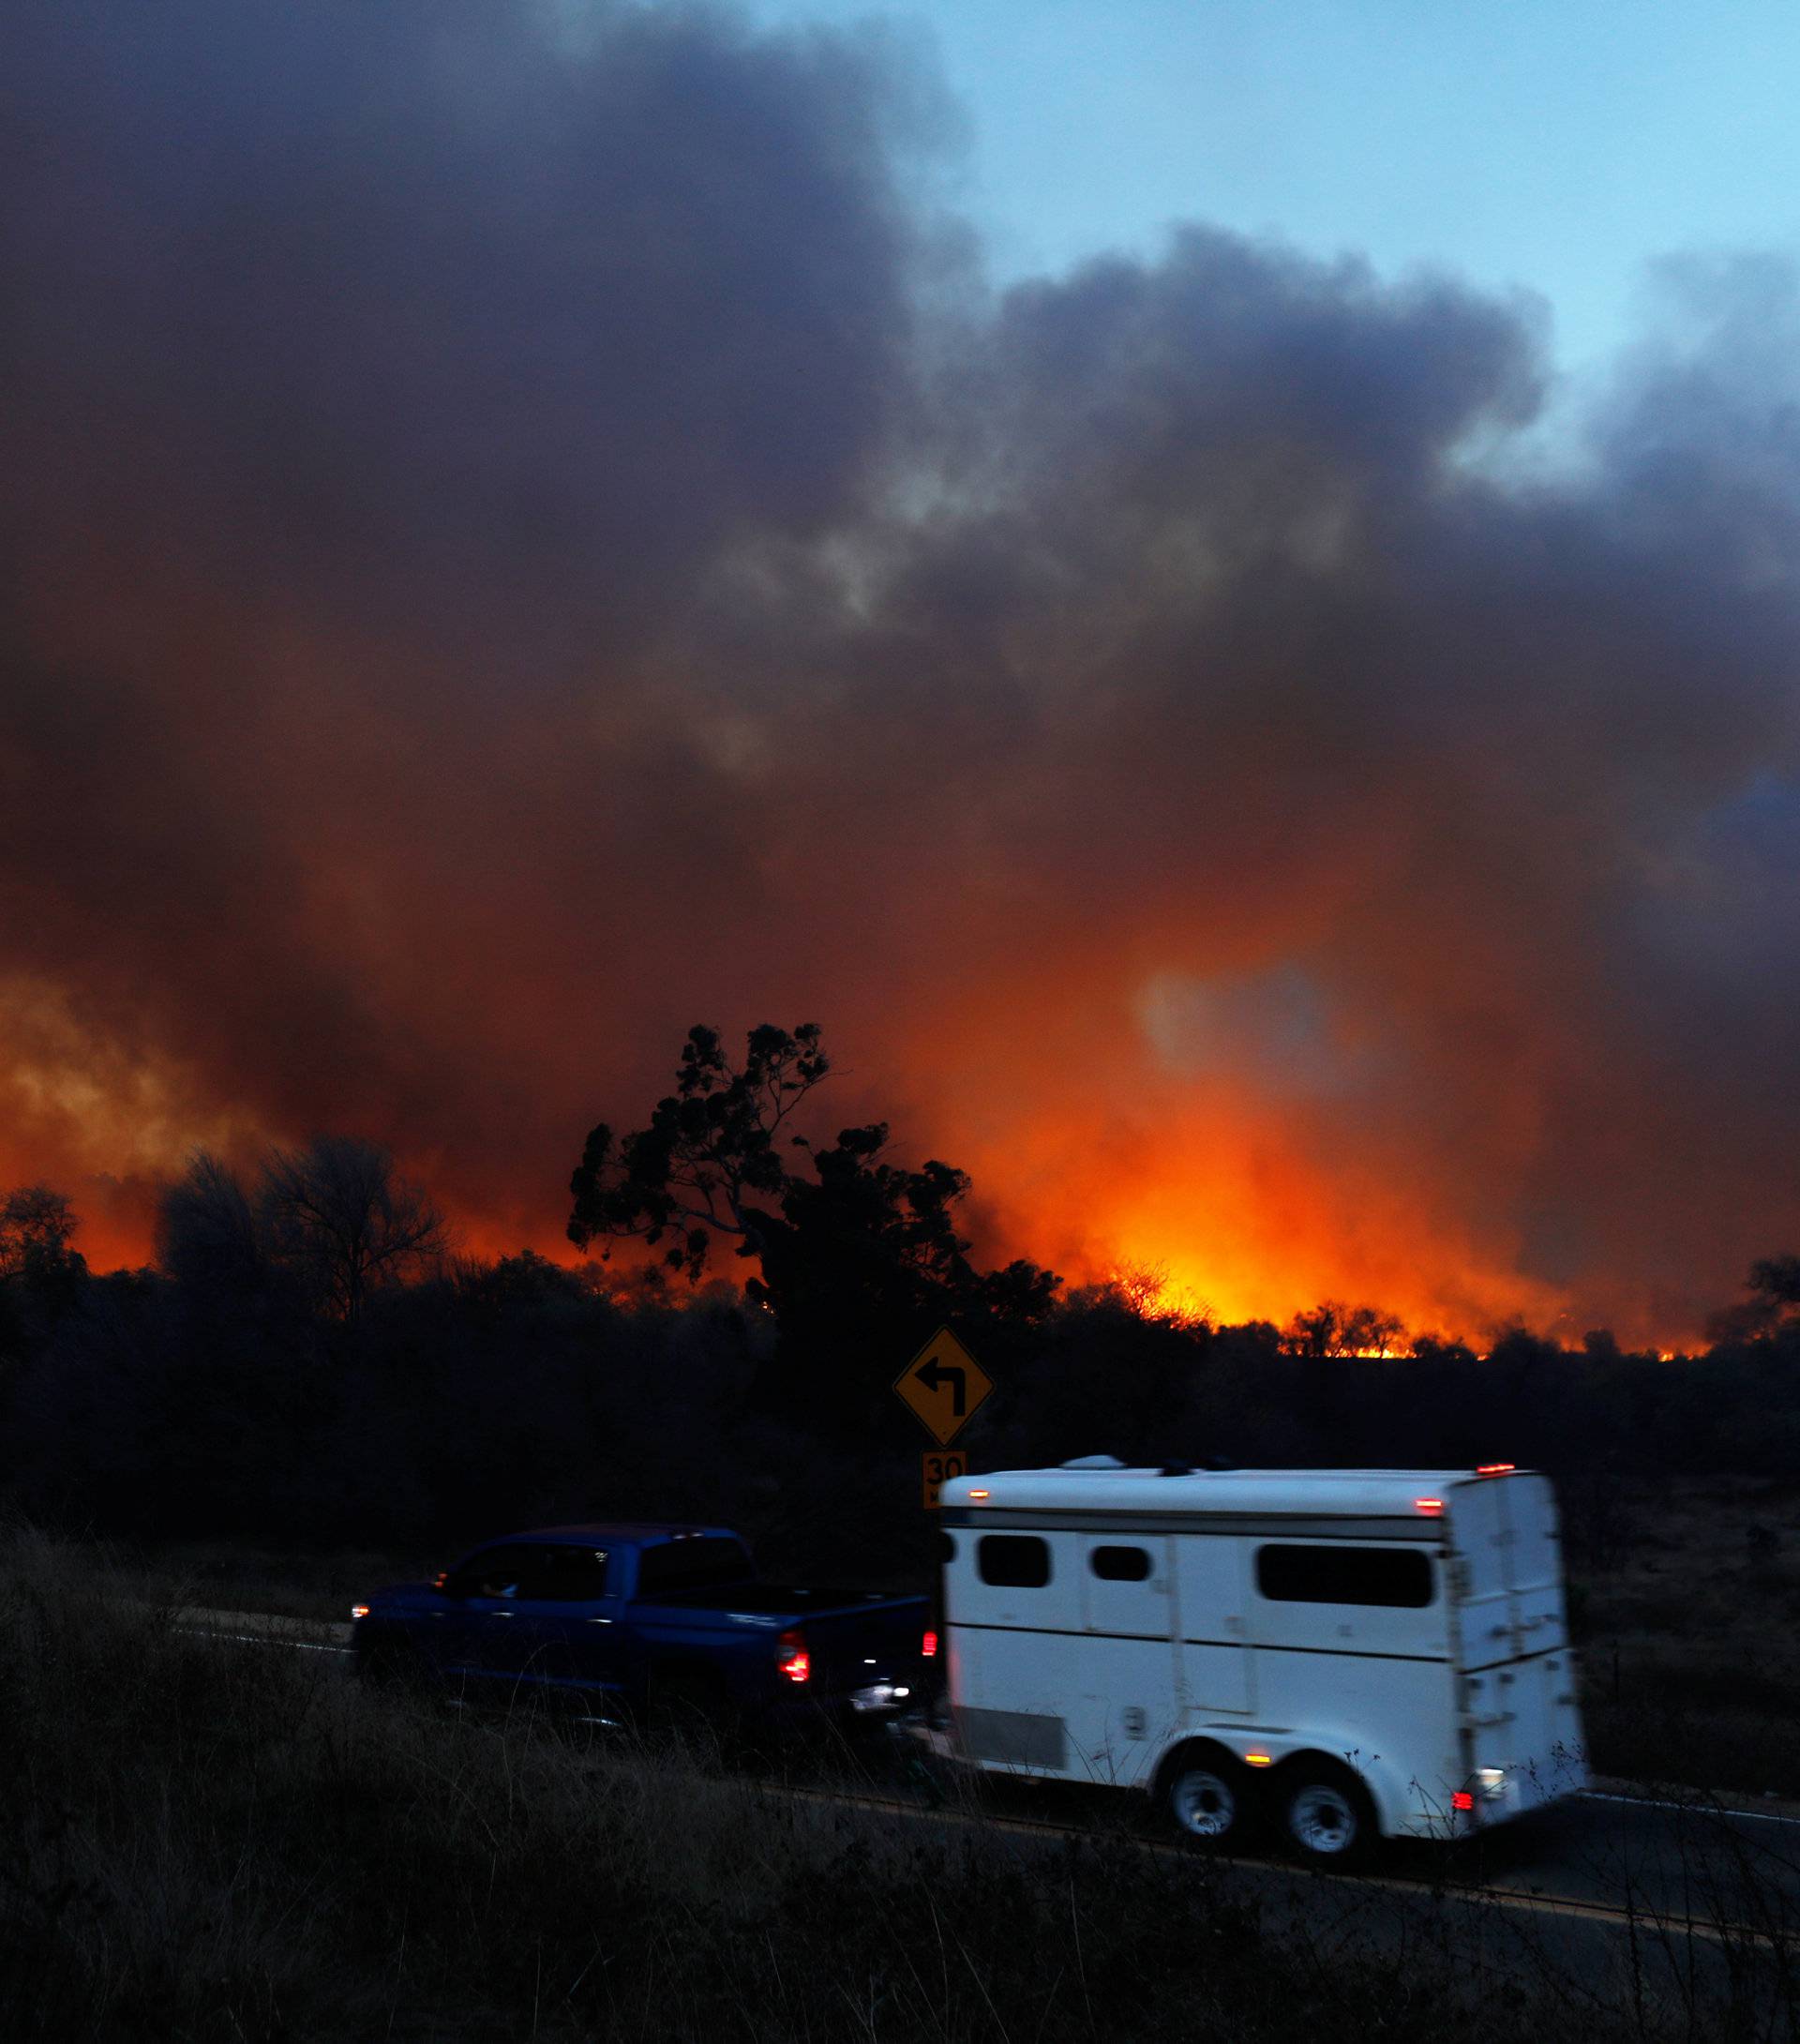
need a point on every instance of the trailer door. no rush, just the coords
(1480, 1537)
(1211, 1598)
(1129, 1709)
(1534, 1562)
(1520, 1680)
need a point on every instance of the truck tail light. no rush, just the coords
(928, 1646)
(1462, 1800)
(791, 1657)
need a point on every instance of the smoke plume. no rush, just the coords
(527, 527)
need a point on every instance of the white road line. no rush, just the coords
(1696, 1809)
(264, 1639)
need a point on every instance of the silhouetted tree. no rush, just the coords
(855, 1254)
(1773, 1287)
(1333, 1329)
(37, 1228)
(1775, 1283)
(337, 1216)
(206, 1230)
(708, 1164)
(865, 1239)
(41, 1274)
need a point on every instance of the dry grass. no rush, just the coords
(215, 1842)
(1687, 1607)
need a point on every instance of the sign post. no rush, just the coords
(942, 1386)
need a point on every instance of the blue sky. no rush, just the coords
(1557, 146)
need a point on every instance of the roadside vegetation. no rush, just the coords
(1685, 1601)
(213, 1842)
(309, 1391)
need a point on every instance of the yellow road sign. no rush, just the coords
(944, 1385)
(937, 1466)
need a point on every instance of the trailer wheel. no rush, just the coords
(1326, 1816)
(1207, 1795)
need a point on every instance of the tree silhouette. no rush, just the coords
(855, 1254)
(337, 1216)
(1333, 1329)
(41, 1274)
(36, 1226)
(709, 1154)
(1774, 1286)
(207, 1236)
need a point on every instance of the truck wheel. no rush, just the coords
(1326, 1816)
(1207, 1795)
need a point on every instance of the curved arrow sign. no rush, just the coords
(943, 1386)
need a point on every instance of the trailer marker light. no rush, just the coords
(1429, 1506)
(1495, 1469)
(1462, 1800)
(977, 1494)
(928, 1646)
(358, 1611)
(791, 1657)
(1257, 1760)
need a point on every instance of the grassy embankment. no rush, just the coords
(213, 1842)
(1685, 1601)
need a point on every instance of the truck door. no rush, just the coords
(564, 1630)
(1212, 1599)
(478, 1627)
(1132, 1666)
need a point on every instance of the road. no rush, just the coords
(1662, 1873)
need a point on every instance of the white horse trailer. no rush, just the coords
(1348, 1653)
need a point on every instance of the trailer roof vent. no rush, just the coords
(1094, 1461)
(1175, 1468)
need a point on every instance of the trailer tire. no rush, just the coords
(1209, 1796)
(1328, 1818)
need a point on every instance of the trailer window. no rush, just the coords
(1121, 1564)
(1012, 1561)
(1399, 1577)
(946, 1548)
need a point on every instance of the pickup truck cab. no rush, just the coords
(642, 1620)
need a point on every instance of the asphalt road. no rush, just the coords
(1668, 1874)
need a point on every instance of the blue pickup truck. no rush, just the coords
(649, 1622)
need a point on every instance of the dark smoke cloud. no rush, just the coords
(524, 529)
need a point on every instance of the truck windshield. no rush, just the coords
(691, 1565)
